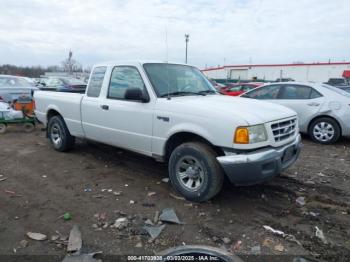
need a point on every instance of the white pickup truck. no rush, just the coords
(172, 113)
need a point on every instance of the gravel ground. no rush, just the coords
(98, 184)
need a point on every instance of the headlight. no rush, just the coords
(250, 134)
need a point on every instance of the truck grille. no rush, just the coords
(284, 129)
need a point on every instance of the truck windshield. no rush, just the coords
(177, 80)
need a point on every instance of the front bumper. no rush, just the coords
(261, 165)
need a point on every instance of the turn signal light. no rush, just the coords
(242, 135)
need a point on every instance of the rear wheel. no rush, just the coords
(28, 127)
(3, 128)
(194, 171)
(59, 135)
(324, 130)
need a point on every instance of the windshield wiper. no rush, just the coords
(207, 92)
(179, 93)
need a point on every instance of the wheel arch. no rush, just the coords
(324, 116)
(52, 112)
(181, 137)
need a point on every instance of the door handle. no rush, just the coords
(104, 107)
(313, 104)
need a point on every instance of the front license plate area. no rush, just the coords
(288, 154)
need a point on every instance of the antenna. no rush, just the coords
(166, 60)
(166, 44)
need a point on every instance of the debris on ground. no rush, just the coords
(177, 197)
(117, 193)
(3, 179)
(156, 217)
(98, 196)
(314, 214)
(300, 201)
(151, 194)
(256, 250)
(74, 242)
(154, 231)
(309, 183)
(282, 234)
(23, 243)
(279, 248)
(165, 180)
(226, 240)
(12, 193)
(87, 189)
(54, 237)
(148, 204)
(236, 247)
(138, 245)
(169, 215)
(149, 222)
(67, 216)
(268, 242)
(83, 258)
(132, 202)
(320, 235)
(120, 223)
(36, 236)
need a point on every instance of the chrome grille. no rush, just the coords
(284, 129)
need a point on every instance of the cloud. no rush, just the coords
(235, 31)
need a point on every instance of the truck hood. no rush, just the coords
(251, 111)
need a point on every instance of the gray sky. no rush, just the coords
(41, 32)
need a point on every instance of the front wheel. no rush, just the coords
(324, 130)
(59, 135)
(194, 171)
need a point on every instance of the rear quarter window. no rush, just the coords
(96, 81)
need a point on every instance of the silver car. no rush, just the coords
(13, 87)
(323, 110)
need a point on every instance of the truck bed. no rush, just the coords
(64, 103)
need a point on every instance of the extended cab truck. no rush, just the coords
(172, 113)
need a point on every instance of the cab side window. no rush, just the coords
(96, 80)
(123, 78)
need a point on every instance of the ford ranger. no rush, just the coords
(172, 113)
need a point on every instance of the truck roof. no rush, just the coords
(135, 62)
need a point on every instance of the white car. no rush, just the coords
(13, 87)
(172, 113)
(323, 110)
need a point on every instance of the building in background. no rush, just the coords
(317, 72)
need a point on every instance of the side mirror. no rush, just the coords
(136, 94)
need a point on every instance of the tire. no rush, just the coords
(59, 135)
(197, 162)
(3, 128)
(28, 127)
(324, 130)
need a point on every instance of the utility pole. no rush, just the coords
(187, 36)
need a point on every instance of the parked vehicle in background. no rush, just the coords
(236, 89)
(172, 113)
(285, 79)
(13, 87)
(215, 84)
(338, 82)
(323, 110)
(64, 84)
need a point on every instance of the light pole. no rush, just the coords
(187, 36)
